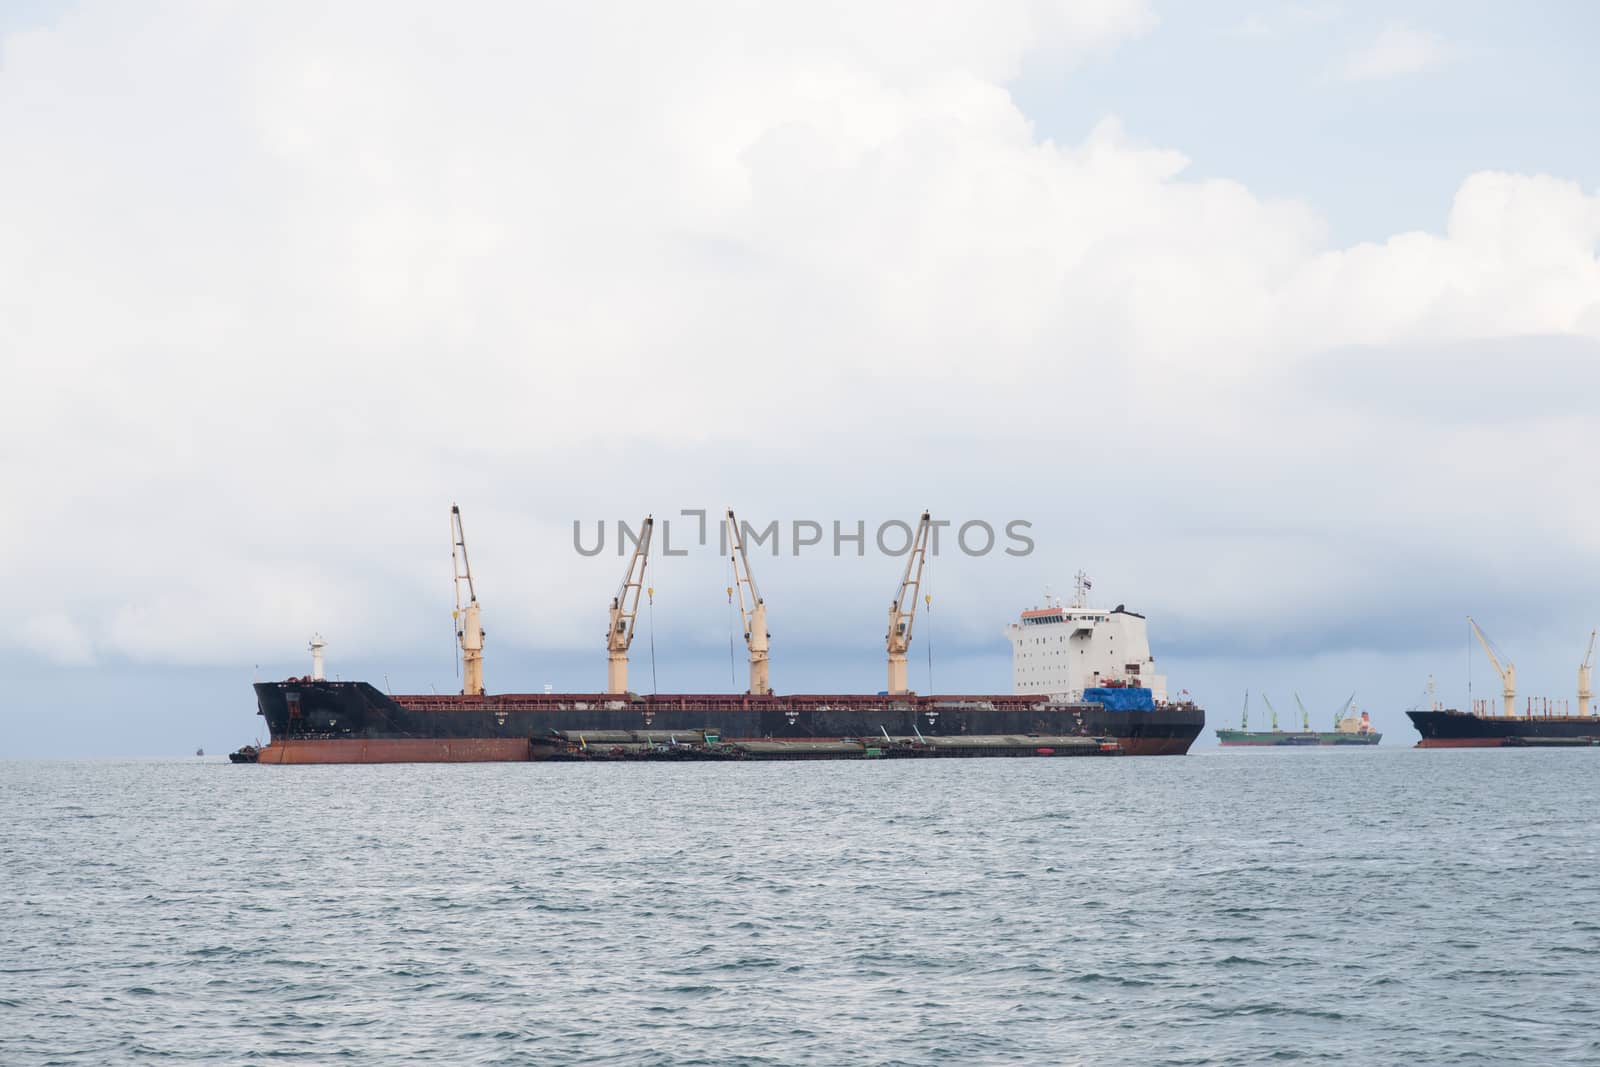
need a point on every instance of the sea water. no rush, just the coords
(1354, 906)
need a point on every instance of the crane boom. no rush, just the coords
(903, 609)
(753, 613)
(1268, 702)
(1338, 716)
(1305, 716)
(469, 626)
(1508, 672)
(1585, 677)
(625, 611)
(1244, 720)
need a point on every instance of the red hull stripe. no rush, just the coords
(400, 750)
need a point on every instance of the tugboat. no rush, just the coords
(247, 754)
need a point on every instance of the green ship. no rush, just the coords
(1348, 728)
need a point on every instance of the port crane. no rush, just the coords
(753, 613)
(1585, 677)
(469, 628)
(1268, 701)
(1508, 672)
(903, 609)
(625, 611)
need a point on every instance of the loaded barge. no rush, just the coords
(313, 720)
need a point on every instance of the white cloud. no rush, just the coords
(272, 294)
(1253, 25)
(1284, 19)
(55, 638)
(1397, 51)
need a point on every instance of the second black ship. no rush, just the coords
(1547, 724)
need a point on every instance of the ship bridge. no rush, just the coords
(1060, 650)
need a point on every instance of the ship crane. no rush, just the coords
(753, 613)
(1508, 672)
(903, 609)
(625, 611)
(469, 628)
(1585, 677)
(1268, 702)
(1305, 716)
(1339, 716)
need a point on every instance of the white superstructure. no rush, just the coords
(1059, 651)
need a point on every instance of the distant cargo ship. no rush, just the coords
(1449, 728)
(1545, 726)
(313, 720)
(1348, 729)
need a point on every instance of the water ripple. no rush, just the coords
(1230, 908)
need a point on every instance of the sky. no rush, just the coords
(1282, 321)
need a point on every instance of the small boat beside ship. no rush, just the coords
(1111, 702)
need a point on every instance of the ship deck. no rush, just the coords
(720, 701)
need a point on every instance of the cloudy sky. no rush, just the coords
(1280, 320)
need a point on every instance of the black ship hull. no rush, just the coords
(1463, 729)
(353, 722)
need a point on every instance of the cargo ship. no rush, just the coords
(313, 720)
(1349, 728)
(1548, 725)
(1450, 728)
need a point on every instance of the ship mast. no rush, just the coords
(1508, 673)
(625, 611)
(469, 629)
(318, 671)
(754, 613)
(1585, 674)
(903, 609)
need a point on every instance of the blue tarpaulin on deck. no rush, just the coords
(1121, 699)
